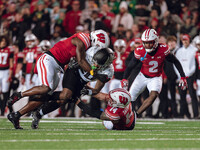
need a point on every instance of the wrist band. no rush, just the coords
(89, 92)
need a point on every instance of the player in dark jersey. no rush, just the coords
(152, 55)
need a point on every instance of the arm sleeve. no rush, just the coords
(171, 58)
(133, 63)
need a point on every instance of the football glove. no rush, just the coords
(183, 83)
(86, 91)
(73, 63)
(124, 84)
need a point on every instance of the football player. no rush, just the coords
(6, 71)
(197, 57)
(119, 63)
(53, 61)
(30, 54)
(73, 81)
(118, 114)
(151, 55)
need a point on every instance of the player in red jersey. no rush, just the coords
(52, 62)
(118, 114)
(152, 56)
(119, 63)
(6, 71)
(30, 54)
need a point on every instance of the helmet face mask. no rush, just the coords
(102, 58)
(45, 45)
(119, 98)
(150, 40)
(31, 40)
(120, 46)
(197, 43)
(99, 38)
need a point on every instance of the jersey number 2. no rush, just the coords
(154, 65)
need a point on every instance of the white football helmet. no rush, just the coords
(119, 98)
(197, 43)
(120, 45)
(150, 35)
(45, 45)
(100, 38)
(33, 39)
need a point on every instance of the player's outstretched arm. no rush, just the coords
(80, 54)
(183, 80)
(132, 64)
(171, 58)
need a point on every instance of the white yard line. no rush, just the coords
(106, 140)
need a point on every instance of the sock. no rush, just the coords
(17, 114)
(55, 96)
(89, 111)
(41, 113)
(49, 107)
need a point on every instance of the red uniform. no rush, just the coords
(5, 55)
(124, 115)
(64, 50)
(17, 56)
(30, 56)
(197, 56)
(152, 65)
(119, 62)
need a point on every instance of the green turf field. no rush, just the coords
(90, 134)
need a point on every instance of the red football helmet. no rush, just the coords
(150, 35)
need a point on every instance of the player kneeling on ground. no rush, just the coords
(118, 114)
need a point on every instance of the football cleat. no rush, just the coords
(12, 117)
(36, 119)
(14, 98)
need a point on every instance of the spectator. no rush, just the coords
(94, 22)
(87, 12)
(17, 30)
(114, 5)
(72, 18)
(171, 75)
(107, 16)
(42, 22)
(136, 31)
(124, 18)
(188, 62)
(185, 12)
(119, 34)
(155, 25)
(10, 13)
(188, 28)
(22, 4)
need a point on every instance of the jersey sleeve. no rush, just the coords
(137, 54)
(85, 38)
(165, 49)
(112, 115)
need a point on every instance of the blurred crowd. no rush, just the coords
(25, 24)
